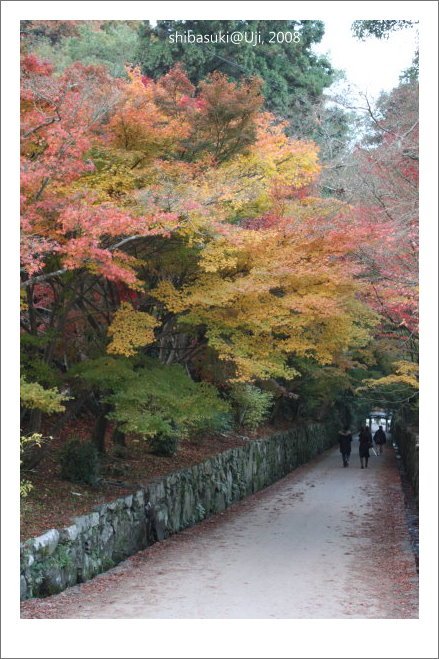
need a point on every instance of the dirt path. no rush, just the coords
(324, 542)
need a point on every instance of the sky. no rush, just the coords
(372, 65)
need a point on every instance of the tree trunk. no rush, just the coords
(35, 421)
(119, 437)
(100, 429)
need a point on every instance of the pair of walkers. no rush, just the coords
(365, 444)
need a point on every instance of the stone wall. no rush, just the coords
(407, 440)
(113, 531)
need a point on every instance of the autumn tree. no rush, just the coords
(387, 188)
(294, 77)
(69, 250)
(293, 87)
(73, 223)
(381, 182)
(178, 223)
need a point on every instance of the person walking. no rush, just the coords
(380, 439)
(345, 440)
(365, 439)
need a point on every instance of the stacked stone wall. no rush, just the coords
(113, 531)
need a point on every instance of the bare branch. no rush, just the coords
(48, 122)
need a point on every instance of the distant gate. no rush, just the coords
(379, 417)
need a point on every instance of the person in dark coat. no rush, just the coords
(345, 439)
(365, 439)
(380, 439)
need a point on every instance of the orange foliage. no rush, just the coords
(118, 176)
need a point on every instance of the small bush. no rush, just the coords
(25, 487)
(120, 451)
(251, 405)
(79, 462)
(117, 470)
(30, 446)
(30, 456)
(164, 445)
(221, 422)
(153, 399)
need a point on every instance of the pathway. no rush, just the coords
(324, 542)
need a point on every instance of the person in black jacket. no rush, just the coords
(380, 439)
(365, 439)
(345, 439)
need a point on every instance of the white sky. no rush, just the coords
(371, 65)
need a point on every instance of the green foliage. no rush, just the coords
(411, 74)
(320, 389)
(251, 405)
(294, 76)
(379, 29)
(38, 370)
(149, 398)
(163, 400)
(113, 44)
(34, 396)
(28, 443)
(400, 387)
(32, 363)
(62, 557)
(104, 374)
(25, 488)
(79, 462)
